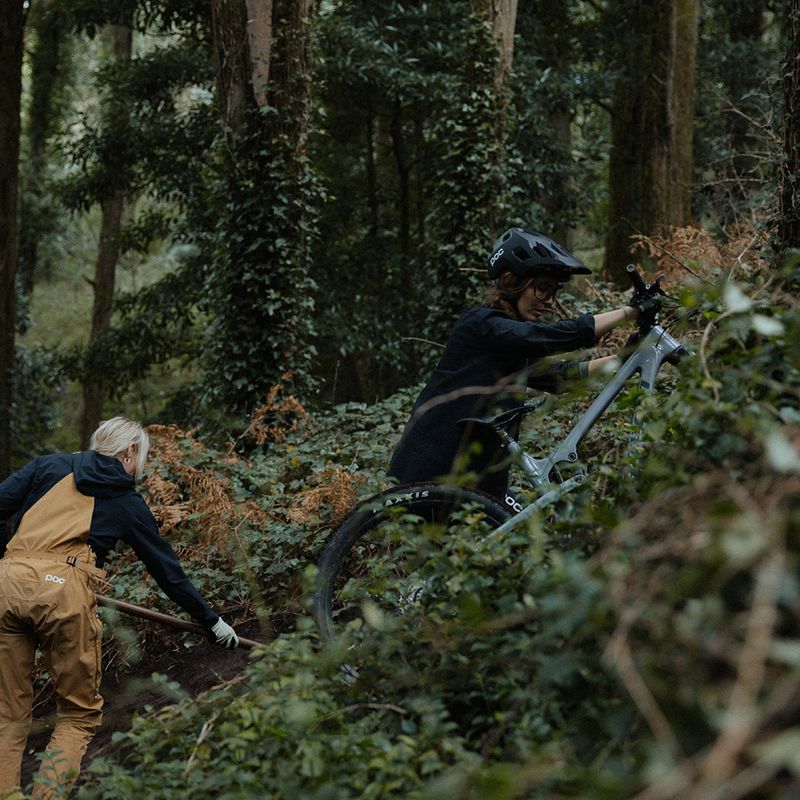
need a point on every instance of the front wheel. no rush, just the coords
(371, 557)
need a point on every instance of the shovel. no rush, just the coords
(164, 619)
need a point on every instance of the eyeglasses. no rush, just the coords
(545, 289)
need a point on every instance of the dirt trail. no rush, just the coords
(196, 668)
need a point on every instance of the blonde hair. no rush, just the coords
(117, 434)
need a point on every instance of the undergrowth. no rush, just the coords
(642, 643)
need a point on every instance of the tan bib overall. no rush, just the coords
(47, 580)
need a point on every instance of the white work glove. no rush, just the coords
(224, 635)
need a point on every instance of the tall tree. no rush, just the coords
(49, 73)
(472, 173)
(415, 153)
(261, 290)
(502, 19)
(789, 224)
(120, 39)
(12, 22)
(650, 170)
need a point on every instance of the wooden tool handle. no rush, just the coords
(164, 619)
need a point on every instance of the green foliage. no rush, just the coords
(735, 147)
(531, 665)
(38, 376)
(260, 292)
(239, 308)
(559, 138)
(414, 155)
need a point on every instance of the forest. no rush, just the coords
(251, 225)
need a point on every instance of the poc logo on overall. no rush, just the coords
(54, 579)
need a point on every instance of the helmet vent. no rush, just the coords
(520, 253)
(542, 250)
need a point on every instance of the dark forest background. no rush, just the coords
(202, 200)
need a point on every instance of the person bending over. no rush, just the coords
(70, 511)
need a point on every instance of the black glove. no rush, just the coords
(648, 304)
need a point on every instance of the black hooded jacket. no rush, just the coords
(488, 362)
(119, 512)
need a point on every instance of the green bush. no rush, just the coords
(657, 649)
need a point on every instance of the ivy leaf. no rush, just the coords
(735, 299)
(767, 326)
(781, 453)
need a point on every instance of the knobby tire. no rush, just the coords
(432, 502)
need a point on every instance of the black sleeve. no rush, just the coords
(536, 339)
(15, 489)
(555, 376)
(161, 562)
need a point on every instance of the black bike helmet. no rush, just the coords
(525, 253)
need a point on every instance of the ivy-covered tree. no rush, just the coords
(12, 21)
(260, 291)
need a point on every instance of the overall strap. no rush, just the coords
(59, 558)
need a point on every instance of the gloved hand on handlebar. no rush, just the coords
(648, 303)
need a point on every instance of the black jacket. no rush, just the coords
(486, 348)
(119, 512)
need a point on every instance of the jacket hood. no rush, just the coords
(97, 475)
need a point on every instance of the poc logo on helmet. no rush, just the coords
(54, 579)
(495, 256)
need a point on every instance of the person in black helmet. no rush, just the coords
(495, 352)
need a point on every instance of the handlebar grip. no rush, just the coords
(637, 280)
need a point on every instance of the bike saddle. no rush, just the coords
(502, 419)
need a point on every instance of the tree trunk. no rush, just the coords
(259, 39)
(12, 21)
(46, 76)
(553, 18)
(420, 172)
(263, 59)
(789, 224)
(503, 18)
(231, 51)
(373, 191)
(106, 266)
(291, 66)
(650, 171)
(471, 192)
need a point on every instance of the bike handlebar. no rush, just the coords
(643, 289)
(641, 285)
(637, 281)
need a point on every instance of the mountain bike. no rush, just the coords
(370, 559)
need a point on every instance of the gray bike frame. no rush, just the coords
(647, 359)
